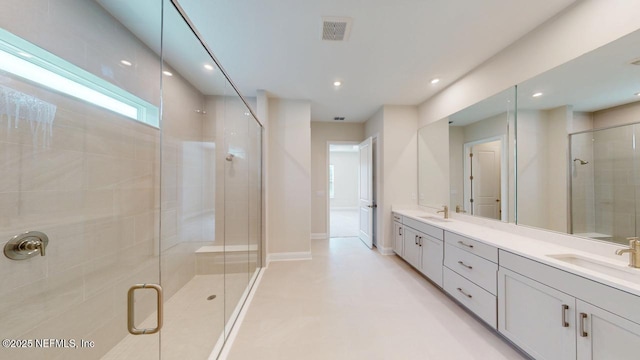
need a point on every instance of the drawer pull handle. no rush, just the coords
(416, 241)
(465, 265)
(400, 230)
(583, 317)
(564, 315)
(464, 293)
(420, 241)
(464, 244)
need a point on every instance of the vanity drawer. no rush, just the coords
(424, 228)
(397, 217)
(478, 300)
(481, 272)
(473, 246)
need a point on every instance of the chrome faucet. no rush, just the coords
(445, 211)
(634, 252)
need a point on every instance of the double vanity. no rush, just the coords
(553, 298)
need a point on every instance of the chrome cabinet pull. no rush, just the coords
(131, 313)
(464, 293)
(465, 265)
(419, 240)
(400, 230)
(564, 315)
(583, 318)
(465, 244)
(416, 240)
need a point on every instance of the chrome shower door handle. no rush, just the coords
(131, 313)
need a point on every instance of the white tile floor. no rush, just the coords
(343, 222)
(350, 302)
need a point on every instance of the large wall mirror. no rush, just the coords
(466, 160)
(578, 170)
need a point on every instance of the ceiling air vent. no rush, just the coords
(339, 118)
(336, 28)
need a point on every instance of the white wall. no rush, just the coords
(321, 133)
(579, 29)
(456, 163)
(558, 167)
(397, 175)
(289, 175)
(433, 172)
(345, 179)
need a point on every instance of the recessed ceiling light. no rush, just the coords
(337, 83)
(538, 94)
(24, 54)
(637, 94)
(125, 63)
(208, 67)
(435, 81)
(168, 73)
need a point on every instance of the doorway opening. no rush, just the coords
(343, 189)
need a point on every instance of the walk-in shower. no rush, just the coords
(605, 176)
(130, 236)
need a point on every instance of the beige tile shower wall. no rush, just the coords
(237, 182)
(321, 133)
(94, 192)
(184, 155)
(615, 170)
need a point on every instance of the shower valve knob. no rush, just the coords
(26, 245)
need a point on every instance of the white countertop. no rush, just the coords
(535, 249)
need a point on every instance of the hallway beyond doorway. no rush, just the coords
(343, 223)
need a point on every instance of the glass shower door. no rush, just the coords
(79, 158)
(604, 178)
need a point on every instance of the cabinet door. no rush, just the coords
(537, 318)
(411, 251)
(603, 335)
(398, 237)
(432, 254)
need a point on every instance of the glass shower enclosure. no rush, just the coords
(131, 195)
(604, 183)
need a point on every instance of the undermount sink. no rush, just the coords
(433, 218)
(619, 271)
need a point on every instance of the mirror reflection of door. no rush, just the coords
(483, 185)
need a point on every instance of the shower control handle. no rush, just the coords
(26, 245)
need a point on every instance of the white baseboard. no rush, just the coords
(289, 256)
(318, 236)
(385, 251)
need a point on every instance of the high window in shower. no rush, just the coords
(605, 175)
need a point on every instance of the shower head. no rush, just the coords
(582, 162)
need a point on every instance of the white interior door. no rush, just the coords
(366, 192)
(486, 179)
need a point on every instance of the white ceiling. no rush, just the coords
(395, 47)
(597, 80)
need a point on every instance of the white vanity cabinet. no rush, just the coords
(537, 318)
(398, 237)
(603, 335)
(567, 317)
(469, 278)
(423, 248)
(412, 252)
